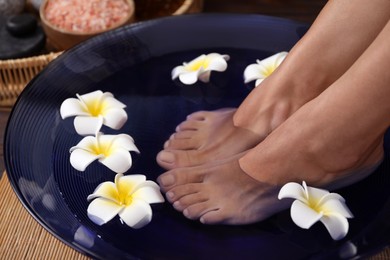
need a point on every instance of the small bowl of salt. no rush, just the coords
(69, 22)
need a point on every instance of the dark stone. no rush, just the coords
(21, 25)
(28, 42)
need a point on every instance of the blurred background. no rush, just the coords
(301, 10)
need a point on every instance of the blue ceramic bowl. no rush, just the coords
(134, 63)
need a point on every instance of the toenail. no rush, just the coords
(167, 180)
(170, 194)
(176, 205)
(186, 213)
(167, 157)
(166, 144)
(202, 220)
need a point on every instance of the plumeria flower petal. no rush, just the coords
(119, 161)
(80, 158)
(85, 125)
(129, 197)
(303, 215)
(147, 191)
(92, 110)
(137, 215)
(107, 190)
(336, 224)
(200, 68)
(113, 151)
(312, 205)
(101, 210)
(292, 190)
(263, 68)
(336, 204)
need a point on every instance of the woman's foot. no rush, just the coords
(319, 145)
(332, 141)
(205, 136)
(335, 135)
(243, 189)
(220, 193)
(311, 66)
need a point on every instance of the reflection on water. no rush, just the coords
(348, 250)
(84, 237)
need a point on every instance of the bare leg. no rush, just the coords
(335, 134)
(333, 140)
(341, 33)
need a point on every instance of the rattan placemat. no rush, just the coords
(21, 237)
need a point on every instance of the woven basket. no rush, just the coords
(15, 74)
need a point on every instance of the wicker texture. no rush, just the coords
(15, 74)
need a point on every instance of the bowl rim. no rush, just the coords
(127, 19)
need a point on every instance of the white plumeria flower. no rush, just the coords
(112, 151)
(92, 110)
(312, 205)
(263, 68)
(200, 68)
(129, 197)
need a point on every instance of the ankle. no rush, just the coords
(270, 104)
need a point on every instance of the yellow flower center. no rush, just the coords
(196, 65)
(101, 148)
(314, 204)
(269, 70)
(95, 107)
(128, 200)
(124, 188)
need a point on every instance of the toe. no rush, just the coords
(200, 116)
(172, 159)
(178, 177)
(181, 144)
(197, 210)
(212, 217)
(189, 200)
(189, 125)
(166, 159)
(178, 192)
(183, 134)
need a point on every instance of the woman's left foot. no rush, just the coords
(205, 136)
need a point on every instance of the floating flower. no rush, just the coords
(263, 68)
(312, 205)
(93, 110)
(112, 151)
(200, 68)
(129, 197)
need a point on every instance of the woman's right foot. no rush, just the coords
(310, 67)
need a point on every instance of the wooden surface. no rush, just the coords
(21, 237)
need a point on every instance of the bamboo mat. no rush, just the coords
(22, 237)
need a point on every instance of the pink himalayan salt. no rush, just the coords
(86, 16)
